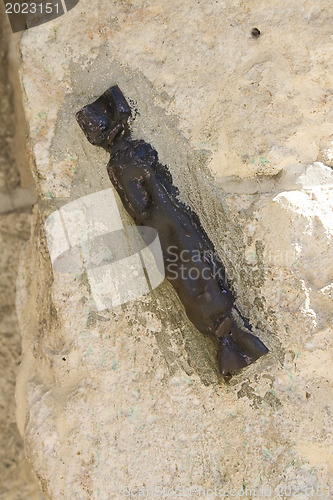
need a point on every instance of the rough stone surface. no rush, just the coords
(131, 397)
(9, 177)
(16, 479)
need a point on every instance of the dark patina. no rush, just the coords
(149, 196)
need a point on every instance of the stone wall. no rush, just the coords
(16, 197)
(130, 397)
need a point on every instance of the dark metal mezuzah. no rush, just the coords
(149, 196)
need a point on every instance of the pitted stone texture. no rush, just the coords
(17, 481)
(9, 176)
(129, 397)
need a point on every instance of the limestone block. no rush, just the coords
(129, 397)
(17, 481)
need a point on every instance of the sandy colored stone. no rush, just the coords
(130, 397)
(16, 479)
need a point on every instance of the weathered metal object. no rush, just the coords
(149, 196)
